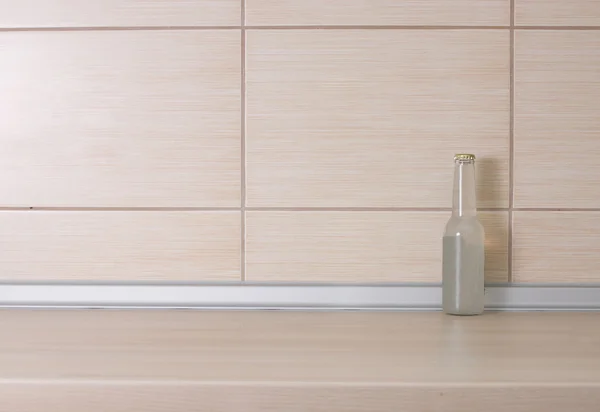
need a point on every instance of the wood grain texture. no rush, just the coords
(377, 12)
(364, 247)
(111, 13)
(557, 117)
(120, 119)
(121, 246)
(181, 361)
(556, 247)
(370, 118)
(273, 397)
(344, 348)
(557, 12)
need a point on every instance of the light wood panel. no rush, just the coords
(556, 247)
(119, 246)
(273, 397)
(377, 12)
(557, 12)
(373, 117)
(557, 118)
(364, 247)
(282, 349)
(110, 13)
(120, 118)
(181, 361)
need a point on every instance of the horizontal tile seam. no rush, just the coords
(276, 284)
(283, 209)
(122, 209)
(125, 382)
(117, 28)
(376, 27)
(362, 209)
(110, 381)
(299, 27)
(420, 27)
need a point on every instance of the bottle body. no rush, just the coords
(463, 246)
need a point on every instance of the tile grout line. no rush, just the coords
(34, 209)
(115, 28)
(420, 27)
(364, 209)
(243, 140)
(377, 27)
(511, 141)
(324, 27)
(556, 209)
(284, 209)
(557, 28)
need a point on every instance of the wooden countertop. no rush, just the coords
(159, 360)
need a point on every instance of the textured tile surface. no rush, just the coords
(120, 246)
(556, 247)
(373, 117)
(120, 118)
(374, 12)
(557, 118)
(557, 12)
(360, 246)
(111, 13)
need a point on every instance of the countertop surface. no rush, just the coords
(275, 361)
(277, 346)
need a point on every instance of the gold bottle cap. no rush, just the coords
(464, 156)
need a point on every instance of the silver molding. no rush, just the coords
(258, 296)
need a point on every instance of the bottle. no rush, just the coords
(463, 246)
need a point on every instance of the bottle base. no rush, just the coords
(463, 314)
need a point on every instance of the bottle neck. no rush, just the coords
(464, 202)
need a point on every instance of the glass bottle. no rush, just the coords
(463, 245)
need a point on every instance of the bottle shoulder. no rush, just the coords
(458, 226)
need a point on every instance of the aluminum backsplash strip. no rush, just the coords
(236, 296)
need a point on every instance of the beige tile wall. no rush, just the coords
(281, 140)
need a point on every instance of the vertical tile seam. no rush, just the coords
(243, 140)
(511, 141)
